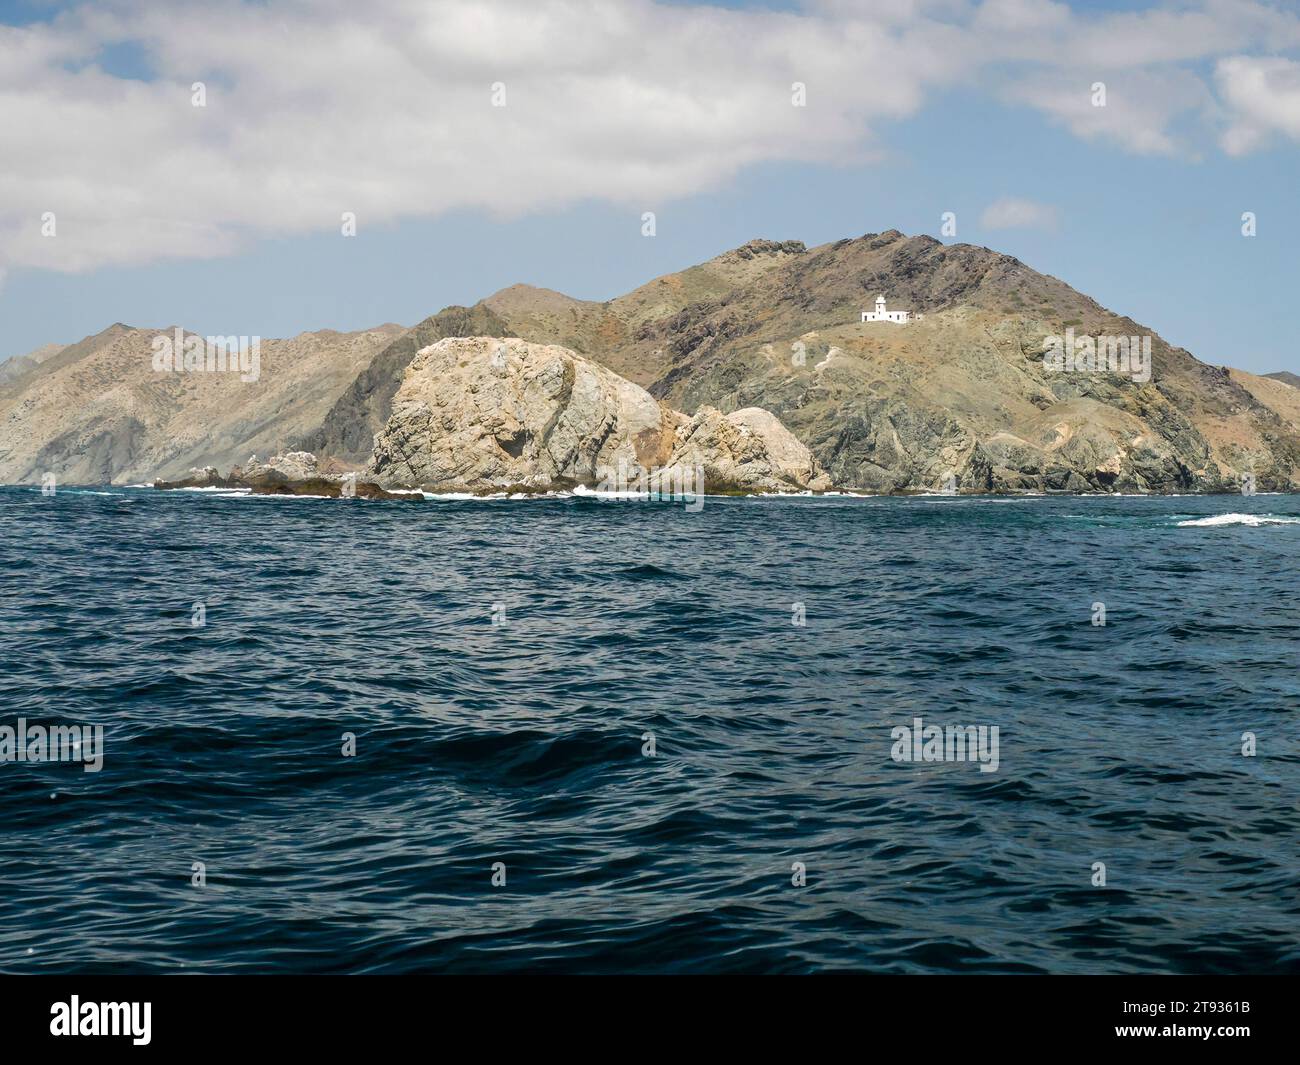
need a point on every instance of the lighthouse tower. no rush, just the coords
(881, 314)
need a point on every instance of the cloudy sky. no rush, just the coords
(227, 218)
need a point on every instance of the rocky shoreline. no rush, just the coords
(296, 473)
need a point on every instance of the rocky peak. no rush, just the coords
(757, 247)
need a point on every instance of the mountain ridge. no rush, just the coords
(961, 395)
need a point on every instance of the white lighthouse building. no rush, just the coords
(880, 314)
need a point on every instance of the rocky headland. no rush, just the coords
(755, 363)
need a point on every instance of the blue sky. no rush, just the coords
(1155, 234)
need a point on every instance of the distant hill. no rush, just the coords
(96, 411)
(13, 368)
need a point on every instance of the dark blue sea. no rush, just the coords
(500, 665)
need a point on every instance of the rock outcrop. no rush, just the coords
(746, 450)
(290, 466)
(481, 414)
(295, 473)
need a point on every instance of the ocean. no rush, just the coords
(579, 735)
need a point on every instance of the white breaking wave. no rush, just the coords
(270, 495)
(496, 497)
(1241, 519)
(214, 488)
(591, 493)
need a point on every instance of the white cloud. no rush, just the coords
(313, 110)
(1262, 96)
(317, 108)
(1012, 213)
(1140, 109)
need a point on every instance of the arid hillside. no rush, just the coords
(98, 412)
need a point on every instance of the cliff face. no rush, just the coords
(347, 429)
(962, 397)
(479, 413)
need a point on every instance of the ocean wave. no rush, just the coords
(1240, 519)
(492, 497)
(205, 488)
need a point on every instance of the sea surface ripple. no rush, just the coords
(499, 663)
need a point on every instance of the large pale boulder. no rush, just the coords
(476, 413)
(482, 414)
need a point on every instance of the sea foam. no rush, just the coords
(1240, 519)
